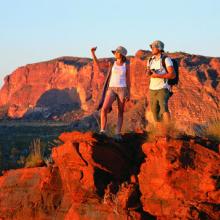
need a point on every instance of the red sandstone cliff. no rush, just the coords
(74, 83)
(94, 178)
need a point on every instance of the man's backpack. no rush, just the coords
(174, 81)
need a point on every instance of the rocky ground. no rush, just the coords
(94, 178)
(89, 177)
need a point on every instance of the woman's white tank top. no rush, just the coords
(118, 76)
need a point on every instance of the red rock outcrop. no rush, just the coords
(26, 85)
(32, 87)
(82, 184)
(30, 193)
(94, 178)
(180, 180)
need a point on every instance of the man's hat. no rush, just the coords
(158, 44)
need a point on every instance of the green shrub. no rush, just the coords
(35, 158)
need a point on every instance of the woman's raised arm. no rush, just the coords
(96, 61)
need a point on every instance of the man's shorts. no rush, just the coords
(159, 102)
(118, 93)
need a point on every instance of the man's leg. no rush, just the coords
(154, 105)
(166, 117)
(163, 102)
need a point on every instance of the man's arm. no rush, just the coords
(170, 74)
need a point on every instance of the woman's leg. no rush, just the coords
(121, 105)
(109, 99)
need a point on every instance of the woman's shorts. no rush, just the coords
(118, 93)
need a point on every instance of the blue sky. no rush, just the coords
(38, 30)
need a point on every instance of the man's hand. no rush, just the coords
(147, 70)
(154, 74)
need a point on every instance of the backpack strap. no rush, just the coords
(163, 62)
(164, 65)
(149, 62)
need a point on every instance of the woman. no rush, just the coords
(117, 86)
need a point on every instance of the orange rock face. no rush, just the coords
(74, 83)
(95, 178)
(33, 85)
(88, 168)
(180, 180)
(26, 193)
(82, 184)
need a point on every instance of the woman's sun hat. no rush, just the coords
(120, 50)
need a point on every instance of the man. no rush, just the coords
(159, 87)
